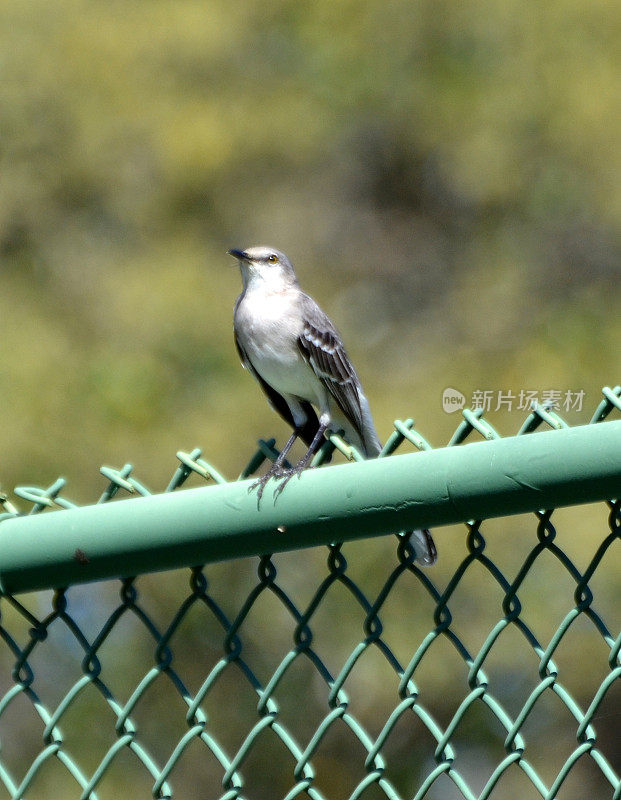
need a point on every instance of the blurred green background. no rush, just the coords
(446, 177)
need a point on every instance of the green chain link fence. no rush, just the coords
(341, 671)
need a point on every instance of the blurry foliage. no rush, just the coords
(445, 176)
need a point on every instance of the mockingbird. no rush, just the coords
(294, 351)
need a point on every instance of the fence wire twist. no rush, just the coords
(269, 753)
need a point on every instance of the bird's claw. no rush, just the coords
(261, 483)
(283, 482)
(286, 477)
(282, 475)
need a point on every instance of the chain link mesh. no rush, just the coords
(344, 672)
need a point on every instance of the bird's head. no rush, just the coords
(265, 265)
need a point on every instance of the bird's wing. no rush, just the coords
(321, 346)
(278, 402)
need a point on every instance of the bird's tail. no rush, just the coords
(424, 547)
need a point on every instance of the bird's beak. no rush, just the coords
(241, 255)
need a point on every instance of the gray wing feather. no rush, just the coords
(321, 346)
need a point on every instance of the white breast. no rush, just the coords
(268, 327)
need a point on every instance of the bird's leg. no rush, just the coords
(305, 460)
(276, 469)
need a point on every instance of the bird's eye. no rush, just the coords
(273, 259)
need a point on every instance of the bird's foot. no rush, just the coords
(275, 471)
(286, 476)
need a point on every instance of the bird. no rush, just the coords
(297, 355)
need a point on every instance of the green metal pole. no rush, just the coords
(350, 501)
